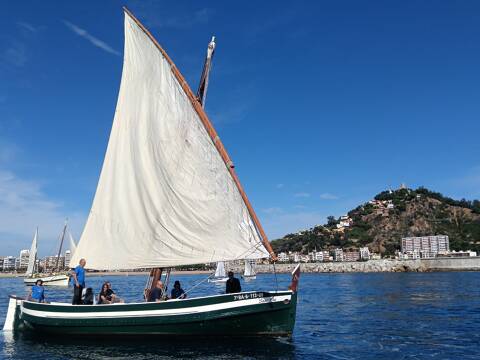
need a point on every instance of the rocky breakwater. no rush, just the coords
(383, 265)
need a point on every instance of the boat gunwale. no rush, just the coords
(169, 304)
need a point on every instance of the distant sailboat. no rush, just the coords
(220, 274)
(32, 259)
(72, 244)
(53, 278)
(249, 273)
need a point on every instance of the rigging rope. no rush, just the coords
(275, 274)
(194, 286)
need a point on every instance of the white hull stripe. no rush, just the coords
(148, 313)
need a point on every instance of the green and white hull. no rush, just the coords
(242, 314)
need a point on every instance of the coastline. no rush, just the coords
(370, 266)
(117, 273)
(380, 266)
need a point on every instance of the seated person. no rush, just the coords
(111, 294)
(105, 296)
(37, 293)
(177, 291)
(88, 298)
(156, 294)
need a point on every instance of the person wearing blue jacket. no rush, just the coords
(37, 293)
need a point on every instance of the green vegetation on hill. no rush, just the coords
(380, 224)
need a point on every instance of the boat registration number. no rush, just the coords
(247, 296)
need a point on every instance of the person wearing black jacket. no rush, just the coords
(233, 284)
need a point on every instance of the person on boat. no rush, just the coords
(233, 284)
(105, 296)
(157, 292)
(111, 294)
(88, 297)
(78, 277)
(37, 293)
(177, 291)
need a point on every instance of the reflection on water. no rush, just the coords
(162, 348)
(340, 316)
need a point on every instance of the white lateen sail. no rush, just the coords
(32, 255)
(220, 270)
(249, 270)
(165, 196)
(72, 244)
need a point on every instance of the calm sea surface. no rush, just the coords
(339, 316)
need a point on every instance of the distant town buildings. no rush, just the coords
(46, 264)
(68, 256)
(425, 247)
(49, 263)
(338, 254)
(9, 263)
(364, 253)
(351, 256)
(23, 259)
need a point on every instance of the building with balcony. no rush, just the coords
(364, 253)
(351, 256)
(338, 254)
(9, 263)
(426, 246)
(23, 259)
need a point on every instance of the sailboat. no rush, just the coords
(72, 244)
(168, 195)
(54, 278)
(249, 273)
(220, 274)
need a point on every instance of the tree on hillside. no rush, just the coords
(331, 221)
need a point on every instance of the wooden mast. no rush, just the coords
(61, 245)
(211, 132)
(203, 85)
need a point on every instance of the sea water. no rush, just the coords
(339, 316)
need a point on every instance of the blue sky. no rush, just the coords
(320, 104)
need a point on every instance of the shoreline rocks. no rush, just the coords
(383, 265)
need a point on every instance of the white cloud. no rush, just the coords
(23, 206)
(279, 186)
(92, 39)
(272, 210)
(300, 207)
(27, 26)
(302, 195)
(15, 54)
(328, 196)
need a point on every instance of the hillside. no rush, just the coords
(382, 222)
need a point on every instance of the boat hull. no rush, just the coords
(53, 280)
(242, 314)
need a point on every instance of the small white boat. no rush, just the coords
(220, 275)
(249, 273)
(52, 279)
